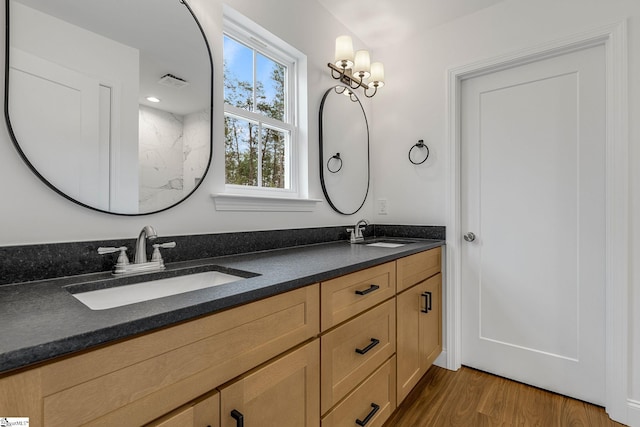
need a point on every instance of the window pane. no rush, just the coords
(238, 74)
(274, 151)
(257, 154)
(270, 87)
(241, 151)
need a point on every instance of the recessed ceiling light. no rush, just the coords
(152, 99)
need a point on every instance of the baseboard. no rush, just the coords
(634, 413)
(441, 361)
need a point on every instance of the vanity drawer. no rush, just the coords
(136, 381)
(416, 268)
(346, 296)
(352, 351)
(376, 398)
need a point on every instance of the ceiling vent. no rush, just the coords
(173, 81)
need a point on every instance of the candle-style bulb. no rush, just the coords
(377, 74)
(362, 64)
(344, 52)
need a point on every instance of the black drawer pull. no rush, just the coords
(427, 302)
(364, 422)
(374, 342)
(236, 415)
(369, 290)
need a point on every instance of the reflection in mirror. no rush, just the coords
(344, 150)
(109, 101)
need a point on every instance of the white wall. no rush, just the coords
(413, 106)
(32, 213)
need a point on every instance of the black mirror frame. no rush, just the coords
(53, 187)
(321, 153)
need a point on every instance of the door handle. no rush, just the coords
(427, 302)
(374, 342)
(374, 409)
(469, 237)
(237, 415)
(368, 290)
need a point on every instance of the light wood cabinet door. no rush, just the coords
(431, 345)
(416, 268)
(204, 412)
(283, 393)
(419, 332)
(352, 351)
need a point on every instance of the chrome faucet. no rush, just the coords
(148, 232)
(141, 264)
(356, 232)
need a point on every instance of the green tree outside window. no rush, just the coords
(255, 148)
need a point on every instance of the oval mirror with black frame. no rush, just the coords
(109, 102)
(344, 150)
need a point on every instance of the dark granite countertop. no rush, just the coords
(41, 320)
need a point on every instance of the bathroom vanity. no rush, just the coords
(331, 335)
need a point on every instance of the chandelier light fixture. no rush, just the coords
(355, 70)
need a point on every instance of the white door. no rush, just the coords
(56, 117)
(533, 194)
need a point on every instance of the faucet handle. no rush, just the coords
(353, 236)
(166, 245)
(156, 256)
(109, 250)
(122, 257)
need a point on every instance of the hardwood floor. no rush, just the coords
(469, 398)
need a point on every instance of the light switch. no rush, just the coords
(383, 207)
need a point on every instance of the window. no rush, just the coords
(261, 134)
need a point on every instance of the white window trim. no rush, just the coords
(257, 203)
(295, 198)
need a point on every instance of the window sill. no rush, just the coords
(241, 202)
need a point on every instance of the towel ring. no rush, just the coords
(420, 144)
(338, 159)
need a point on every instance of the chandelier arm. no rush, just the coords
(375, 90)
(339, 76)
(339, 89)
(350, 80)
(353, 80)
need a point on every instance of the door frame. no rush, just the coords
(614, 38)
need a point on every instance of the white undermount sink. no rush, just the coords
(102, 299)
(388, 243)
